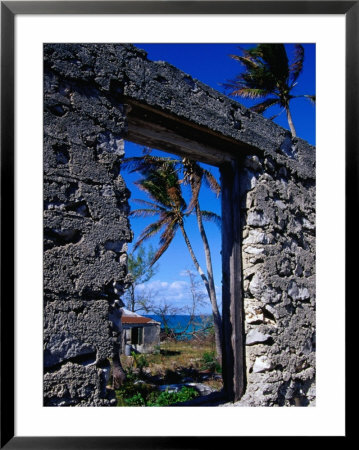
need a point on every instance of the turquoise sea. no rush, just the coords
(179, 323)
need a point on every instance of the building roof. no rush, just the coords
(133, 318)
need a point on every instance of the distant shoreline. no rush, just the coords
(179, 322)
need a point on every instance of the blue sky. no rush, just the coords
(211, 64)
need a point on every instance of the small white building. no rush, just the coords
(140, 334)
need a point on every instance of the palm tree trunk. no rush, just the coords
(290, 121)
(194, 259)
(132, 294)
(217, 322)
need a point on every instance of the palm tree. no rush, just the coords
(163, 186)
(268, 73)
(195, 175)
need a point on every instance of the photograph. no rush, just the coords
(177, 179)
(179, 224)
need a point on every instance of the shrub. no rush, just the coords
(210, 362)
(136, 400)
(131, 377)
(140, 395)
(208, 357)
(169, 398)
(132, 392)
(186, 393)
(156, 350)
(139, 361)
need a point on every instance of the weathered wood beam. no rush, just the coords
(154, 128)
(232, 296)
(155, 136)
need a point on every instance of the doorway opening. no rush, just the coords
(175, 273)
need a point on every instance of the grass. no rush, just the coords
(173, 362)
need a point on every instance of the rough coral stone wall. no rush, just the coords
(86, 229)
(278, 207)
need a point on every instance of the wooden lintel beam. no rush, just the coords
(156, 136)
(153, 127)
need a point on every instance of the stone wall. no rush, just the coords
(279, 283)
(86, 228)
(86, 232)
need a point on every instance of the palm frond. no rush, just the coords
(176, 197)
(212, 217)
(275, 59)
(162, 185)
(247, 61)
(210, 181)
(296, 67)
(311, 98)
(132, 164)
(194, 174)
(195, 188)
(261, 107)
(147, 163)
(149, 204)
(158, 196)
(150, 231)
(165, 241)
(144, 212)
(248, 92)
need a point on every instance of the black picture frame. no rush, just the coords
(9, 9)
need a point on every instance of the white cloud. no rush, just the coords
(179, 285)
(176, 290)
(177, 293)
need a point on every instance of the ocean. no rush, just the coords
(180, 323)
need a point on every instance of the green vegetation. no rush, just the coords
(169, 398)
(141, 271)
(155, 398)
(173, 362)
(139, 361)
(210, 362)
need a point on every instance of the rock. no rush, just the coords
(203, 389)
(256, 337)
(257, 237)
(253, 250)
(254, 312)
(170, 387)
(256, 285)
(248, 181)
(252, 162)
(308, 225)
(280, 204)
(262, 291)
(257, 219)
(272, 311)
(262, 364)
(297, 293)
